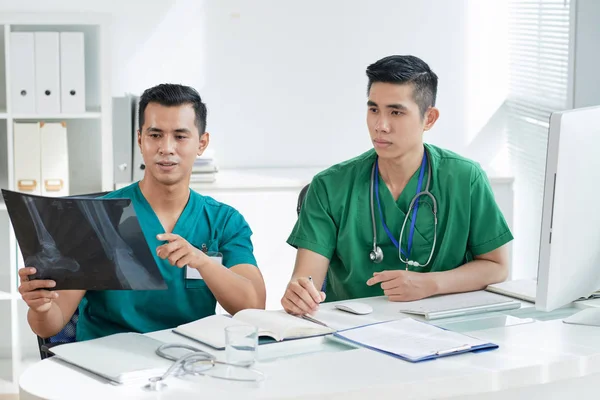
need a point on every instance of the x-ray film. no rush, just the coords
(83, 242)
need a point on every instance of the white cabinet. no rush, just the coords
(89, 141)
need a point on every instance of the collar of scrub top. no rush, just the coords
(415, 208)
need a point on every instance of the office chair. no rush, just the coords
(301, 197)
(68, 333)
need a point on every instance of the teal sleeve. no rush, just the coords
(315, 229)
(236, 245)
(488, 230)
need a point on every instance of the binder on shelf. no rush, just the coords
(72, 72)
(47, 72)
(22, 72)
(27, 157)
(138, 160)
(124, 138)
(55, 159)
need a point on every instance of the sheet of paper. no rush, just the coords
(341, 320)
(409, 338)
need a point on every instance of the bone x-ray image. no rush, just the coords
(83, 242)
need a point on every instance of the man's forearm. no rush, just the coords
(48, 323)
(233, 291)
(475, 275)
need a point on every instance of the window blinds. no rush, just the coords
(539, 46)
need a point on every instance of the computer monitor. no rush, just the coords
(569, 258)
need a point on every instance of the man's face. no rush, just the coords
(170, 142)
(394, 119)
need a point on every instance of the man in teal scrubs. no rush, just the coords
(349, 203)
(183, 227)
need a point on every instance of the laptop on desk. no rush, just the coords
(525, 289)
(522, 289)
(459, 304)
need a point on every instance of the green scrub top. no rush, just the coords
(204, 221)
(335, 221)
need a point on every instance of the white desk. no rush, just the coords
(542, 358)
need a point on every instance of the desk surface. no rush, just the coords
(539, 356)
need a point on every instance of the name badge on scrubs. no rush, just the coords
(193, 273)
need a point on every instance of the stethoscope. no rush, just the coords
(196, 362)
(376, 254)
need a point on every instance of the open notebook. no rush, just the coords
(276, 325)
(413, 340)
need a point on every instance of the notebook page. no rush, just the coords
(409, 338)
(209, 330)
(455, 301)
(341, 320)
(285, 325)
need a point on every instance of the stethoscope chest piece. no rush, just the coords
(376, 255)
(155, 384)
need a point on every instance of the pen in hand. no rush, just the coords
(319, 292)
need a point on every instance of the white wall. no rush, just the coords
(286, 74)
(285, 81)
(291, 75)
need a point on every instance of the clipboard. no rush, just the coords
(412, 340)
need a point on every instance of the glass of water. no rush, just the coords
(241, 344)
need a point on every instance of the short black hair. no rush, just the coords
(168, 94)
(406, 69)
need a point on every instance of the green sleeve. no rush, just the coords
(488, 230)
(315, 229)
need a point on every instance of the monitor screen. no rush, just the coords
(569, 258)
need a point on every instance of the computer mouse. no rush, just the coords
(355, 307)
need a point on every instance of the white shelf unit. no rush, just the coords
(90, 167)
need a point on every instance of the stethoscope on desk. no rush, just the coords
(196, 362)
(376, 254)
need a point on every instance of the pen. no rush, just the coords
(454, 350)
(311, 281)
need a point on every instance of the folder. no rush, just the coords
(123, 138)
(55, 159)
(47, 72)
(72, 72)
(413, 340)
(22, 72)
(27, 157)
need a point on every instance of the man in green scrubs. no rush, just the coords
(183, 227)
(345, 207)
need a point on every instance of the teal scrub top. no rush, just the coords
(335, 221)
(204, 221)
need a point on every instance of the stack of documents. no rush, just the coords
(205, 168)
(413, 340)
